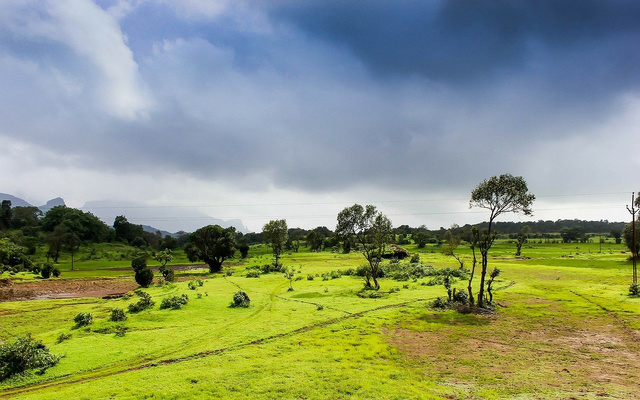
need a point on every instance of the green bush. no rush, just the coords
(241, 299)
(634, 290)
(139, 263)
(46, 271)
(62, 337)
(56, 272)
(415, 258)
(83, 319)
(461, 297)
(117, 315)
(174, 302)
(310, 277)
(25, 354)
(440, 303)
(253, 274)
(144, 277)
(168, 274)
(142, 304)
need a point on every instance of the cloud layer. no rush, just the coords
(325, 97)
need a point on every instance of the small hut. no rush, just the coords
(397, 252)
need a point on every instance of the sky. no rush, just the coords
(296, 109)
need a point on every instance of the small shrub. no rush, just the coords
(199, 296)
(309, 277)
(405, 286)
(174, 302)
(120, 330)
(192, 285)
(634, 290)
(56, 272)
(62, 337)
(241, 299)
(298, 278)
(439, 303)
(25, 354)
(335, 274)
(83, 319)
(320, 307)
(144, 277)
(46, 271)
(168, 274)
(117, 315)
(142, 304)
(253, 274)
(461, 297)
(415, 258)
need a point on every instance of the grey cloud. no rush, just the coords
(340, 95)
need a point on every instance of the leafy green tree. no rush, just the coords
(420, 239)
(521, 239)
(126, 231)
(372, 230)
(11, 255)
(276, 233)
(5, 215)
(244, 250)
(163, 257)
(452, 242)
(212, 244)
(498, 194)
(617, 235)
(315, 240)
(27, 219)
(627, 234)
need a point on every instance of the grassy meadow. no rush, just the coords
(565, 329)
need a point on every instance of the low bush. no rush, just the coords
(309, 277)
(241, 299)
(46, 271)
(634, 290)
(142, 304)
(62, 337)
(83, 319)
(144, 277)
(168, 274)
(174, 302)
(117, 315)
(56, 272)
(253, 274)
(25, 354)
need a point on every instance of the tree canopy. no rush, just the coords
(372, 230)
(213, 245)
(277, 233)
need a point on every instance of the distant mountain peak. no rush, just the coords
(58, 201)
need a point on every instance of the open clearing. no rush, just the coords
(566, 330)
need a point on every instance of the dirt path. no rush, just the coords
(66, 289)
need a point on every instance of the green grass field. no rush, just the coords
(565, 329)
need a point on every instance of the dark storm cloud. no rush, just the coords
(464, 40)
(324, 95)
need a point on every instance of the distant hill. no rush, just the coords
(15, 201)
(52, 203)
(151, 229)
(168, 219)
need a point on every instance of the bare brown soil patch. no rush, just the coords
(65, 289)
(597, 357)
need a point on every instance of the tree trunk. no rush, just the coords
(482, 276)
(473, 270)
(214, 265)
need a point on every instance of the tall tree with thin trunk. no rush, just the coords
(372, 230)
(276, 232)
(635, 204)
(498, 194)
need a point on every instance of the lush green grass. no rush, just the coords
(566, 329)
